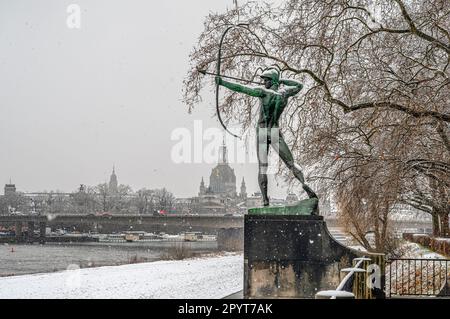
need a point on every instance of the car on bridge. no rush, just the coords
(159, 213)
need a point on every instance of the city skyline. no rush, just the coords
(127, 102)
(134, 189)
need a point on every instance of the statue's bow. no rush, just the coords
(219, 60)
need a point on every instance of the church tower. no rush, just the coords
(223, 154)
(10, 189)
(113, 184)
(202, 188)
(243, 189)
(222, 180)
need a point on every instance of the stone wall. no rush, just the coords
(293, 257)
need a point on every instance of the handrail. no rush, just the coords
(351, 272)
(348, 276)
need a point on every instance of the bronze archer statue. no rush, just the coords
(273, 102)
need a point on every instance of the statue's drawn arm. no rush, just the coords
(236, 87)
(291, 87)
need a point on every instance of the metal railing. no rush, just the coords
(351, 286)
(418, 277)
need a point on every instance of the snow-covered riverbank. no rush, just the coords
(208, 277)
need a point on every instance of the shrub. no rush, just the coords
(179, 251)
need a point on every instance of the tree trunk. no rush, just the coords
(436, 226)
(378, 245)
(384, 227)
(444, 225)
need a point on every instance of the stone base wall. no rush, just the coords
(291, 257)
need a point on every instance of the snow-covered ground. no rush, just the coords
(207, 277)
(413, 250)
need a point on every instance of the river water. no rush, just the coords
(28, 259)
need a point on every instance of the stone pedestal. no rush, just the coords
(291, 256)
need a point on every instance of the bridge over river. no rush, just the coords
(229, 229)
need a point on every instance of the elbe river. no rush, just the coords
(29, 259)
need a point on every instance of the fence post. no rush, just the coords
(376, 286)
(360, 287)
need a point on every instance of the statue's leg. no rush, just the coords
(284, 152)
(262, 151)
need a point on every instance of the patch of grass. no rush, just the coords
(179, 251)
(136, 260)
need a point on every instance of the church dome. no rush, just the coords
(223, 179)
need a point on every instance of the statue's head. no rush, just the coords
(271, 77)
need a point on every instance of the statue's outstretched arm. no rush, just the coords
(291, 87)
(252, 91)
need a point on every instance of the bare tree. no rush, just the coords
(122, 199)
(84, 200)
(164, 200)
(116, 201)
(376, 91)
(365, 203)
(15, 201)
(145, 201)
(103, 196)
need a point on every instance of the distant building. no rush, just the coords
(113, 184)
(404, 212)
(183, 205)
(10, 189)
(243, 193)
(291, 198)
(220, 196)
(222, 180)
(255, 200)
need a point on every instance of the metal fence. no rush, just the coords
(417, 277)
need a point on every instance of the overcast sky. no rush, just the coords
(73, 102)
